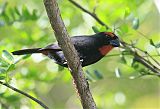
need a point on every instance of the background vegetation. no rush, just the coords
(124, 85)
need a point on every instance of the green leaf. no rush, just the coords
(123, 60)
(151, 42)
(157, 45)
(2, 70)
(126, 52)
(11, 67)
(118, 72)
(6, 18)
(12, 98)
(3, 7)
(12, 14)
(3, 63)
(25, 13)
(127, 12)
(6, 77)
(103, 29)
(143, 71)
(134, 64)
(26, 56)
(7, 56)
(98, 74)
(135, 23)
(89, 76)
(60, 68)
(34, 15)
(2, 77)
(95, 29)
(123, 29)
(17, 11)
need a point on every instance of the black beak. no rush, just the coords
(115, 42)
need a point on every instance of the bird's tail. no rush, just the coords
(27, 51)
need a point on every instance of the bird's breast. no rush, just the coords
(105, 49)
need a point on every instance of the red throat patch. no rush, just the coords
(105, 49)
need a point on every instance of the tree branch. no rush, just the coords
(125, 45)
(70, 54)
(141, 59)
(25, 94)
(90, 13)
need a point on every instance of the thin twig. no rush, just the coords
(143, 52)
(90, 13)
(142, 60)
(25, 94)
(142, 35)
(151, 67)
(128, 55)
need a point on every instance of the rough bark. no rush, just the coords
(70, 54)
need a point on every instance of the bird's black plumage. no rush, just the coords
(88, 48)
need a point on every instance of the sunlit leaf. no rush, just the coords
(134, 64)
(126, 52)
(2, 70)
(102, 29)
(17, 11)
(135, 23)
(12, 14)
(6, 18)
(118, 72)
(123, 30)
(3, 7)
(2, 77)
(132, 77)
(11, 67)
(34, 15)
(3, 63)
(60, 68)
(127, 12)
(26, 56)
(143, 71)
(157, 45)
(12, 98)
(95, 29)
(7, 56)
(123, 60)
(89, 76)
(98, 74)
(151, 42)
(25, 12)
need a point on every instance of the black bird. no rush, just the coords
(90, 48)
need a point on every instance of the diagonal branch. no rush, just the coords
(70, 54)
(141, 59)
(88, 12)
(25, 94)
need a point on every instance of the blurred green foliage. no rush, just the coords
(117, 81)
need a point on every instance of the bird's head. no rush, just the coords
(108, 40)
(112, 39)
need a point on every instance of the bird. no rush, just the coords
(90, 48)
